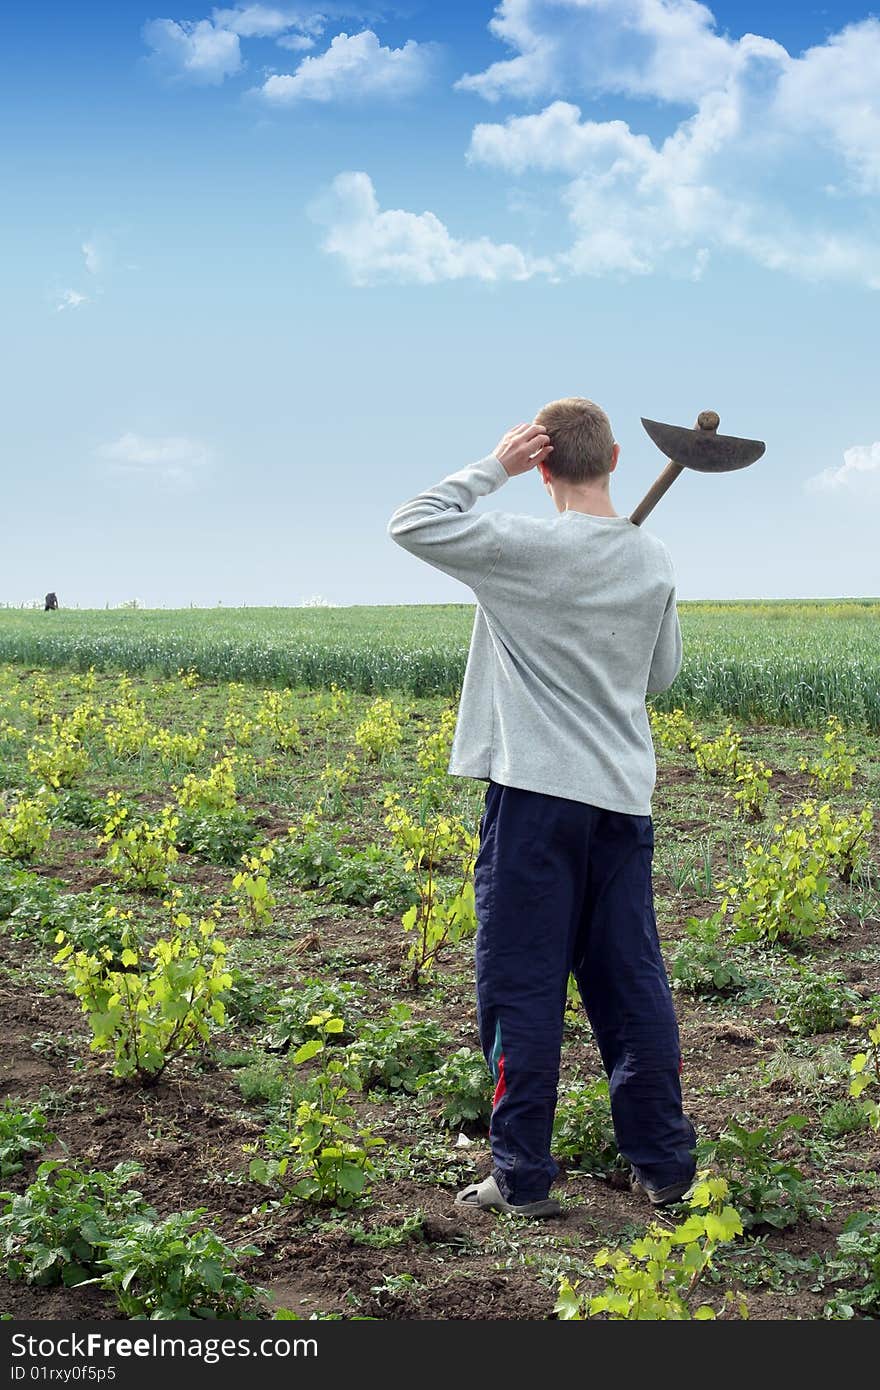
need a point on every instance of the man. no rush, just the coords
(575, 622)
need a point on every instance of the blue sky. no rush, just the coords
(273, 269)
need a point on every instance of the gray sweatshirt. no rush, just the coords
(575, 621)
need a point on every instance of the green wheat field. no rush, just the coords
(774, 662)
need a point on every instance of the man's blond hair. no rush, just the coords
(582, 439)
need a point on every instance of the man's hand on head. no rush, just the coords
(523, 448)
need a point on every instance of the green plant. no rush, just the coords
(42, 700)
(856, 1263)
(237, 727)
(836, 765)
(254, 896)
(311, 852)
(462, 1082)
(332, 781)
(752, 784)
(701, 964)
(843, 1117)
(84, 718)
(756, 1265)
(71, 1227)
(395, 1051)
(436, 921)
(332, 1152)
(25, 828)
(59, 760)
(810, 1003)
(813, 1074)
(33, 904)
(95, 927)
(718, 757)
(213, 795)
(428, 838)
(432, 755)
(262, 1081)
(370, 877)
(766, 1189)
(37, 907)
(289, 1014)
(161, 1003)
(85, 680)
(574, 1015)
(865, 1066)
(411, 1228)
(164, 1269)
(249, 1000)
(275, 717)
(56, 1230)
(845, 839)
(23, 1132)
(672, 729)
(380, 731)
(139, 853)
(177, 747)
(129, 731)
(583, 1130)
(658, 1277)
(330, 706)
(785, 885)
(331, 1155)
(221, 839)
(79, 807)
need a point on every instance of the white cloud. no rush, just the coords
(270, 22)
(297, 43)
(558, 141)
(654, 48)
(832, 93)
(859, 472)
(355, 65)
(196, 49)
(772, 164)
(174, 460)
(405, 246)
(253, 21)
(95, 253)
(71, 299)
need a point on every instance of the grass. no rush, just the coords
(781, 663)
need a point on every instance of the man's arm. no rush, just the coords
(436, 525)
(666, 661)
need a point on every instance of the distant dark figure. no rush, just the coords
(51, 603)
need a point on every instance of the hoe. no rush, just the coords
(701, 448)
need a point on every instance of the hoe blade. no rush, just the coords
(703, 450)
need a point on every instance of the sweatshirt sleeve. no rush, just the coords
(666, 661)
(437, 525)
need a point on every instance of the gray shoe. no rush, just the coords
(486, 1196)
(661, 1196)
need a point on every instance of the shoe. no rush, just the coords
(660, 1196)
(486, 1196)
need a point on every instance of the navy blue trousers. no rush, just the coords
(565, 887)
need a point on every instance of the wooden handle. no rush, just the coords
(708, 420)
(662, 486)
